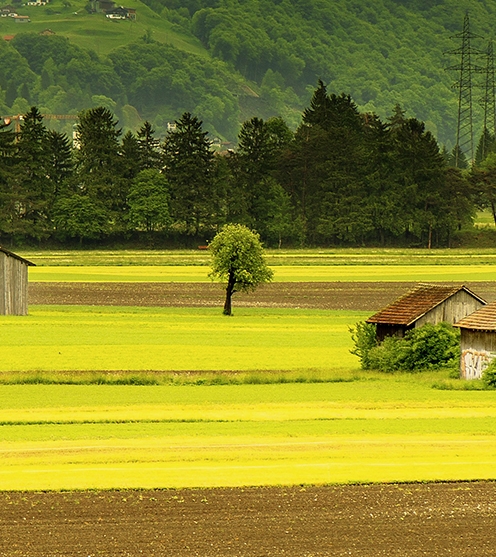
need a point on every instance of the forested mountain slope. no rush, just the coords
(229, 60)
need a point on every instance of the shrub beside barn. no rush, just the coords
(14, 283)
(426, 303)
(478, 341)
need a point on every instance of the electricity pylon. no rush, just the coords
(466, 69)
(488, 101)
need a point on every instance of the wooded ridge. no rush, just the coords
(227, 61)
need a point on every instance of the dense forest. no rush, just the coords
(241, 58)
(344, 177)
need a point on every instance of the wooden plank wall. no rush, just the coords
(478, 348)
(14, 286)
(452, 310)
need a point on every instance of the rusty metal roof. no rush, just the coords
(15, 256)
(484, 319)
(416, 303)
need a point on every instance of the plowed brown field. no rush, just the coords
(363, 521)
(319, 295)
(437, 520)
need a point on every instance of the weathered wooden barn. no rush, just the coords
(478, 341)
(14, 283)
(426, 303)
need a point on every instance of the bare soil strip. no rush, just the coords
(366, 296)
(364, 521)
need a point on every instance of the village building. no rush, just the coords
(477, 341)
(117, 13)
(21, 19)
(13, 283)
(426, 303)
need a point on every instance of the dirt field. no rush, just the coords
(363, 521)
(367, 296)
(437, 520)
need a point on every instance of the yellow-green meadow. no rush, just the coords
(157, 397)
(76, 338)
(282, 273)
(377, 430)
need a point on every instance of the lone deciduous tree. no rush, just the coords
(238, 258)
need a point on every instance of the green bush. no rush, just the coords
(489, 376)
(428, 347)
(364, 338)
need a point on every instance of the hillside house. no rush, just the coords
(117, 13)
(478, 341)
(121, 12)
(13, 283)
(426, 303)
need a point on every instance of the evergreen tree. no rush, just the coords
(397, 119)
(60, 163)
(457, 158)
(148, 148)
(320, 111)
(130, 155)
(7, 157)
(190, 172)
(254, 189)
(99, 163)
(32, 189)
(485, 146)
(421, 175)
(482, 181)
(327, 171)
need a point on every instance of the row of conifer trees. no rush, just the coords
(341, 178)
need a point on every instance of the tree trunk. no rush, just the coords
(229, 292)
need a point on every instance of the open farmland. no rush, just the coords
(367, 430)
(287, 441)
(102, 338)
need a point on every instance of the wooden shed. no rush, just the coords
(426, 303)
(14, 283)
(478, 341)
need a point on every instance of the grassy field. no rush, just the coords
(289, 258)
(319, 273)
(316, 419)
(371, 430)
(289, 265)
(74, 338)
(95, 31)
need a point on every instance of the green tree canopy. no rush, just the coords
(238, 259)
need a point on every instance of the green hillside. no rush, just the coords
(228, 60)
(94, 31)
